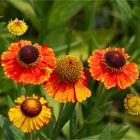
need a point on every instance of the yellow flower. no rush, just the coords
(132, 104)
(30, 113)
(17, 27)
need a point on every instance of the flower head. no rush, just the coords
(28, 64)
(17, 27)
(30, 113)
(111, 66)
(132, 104)
(69, 82)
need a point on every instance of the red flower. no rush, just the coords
(69, 82)
(111, 67)
(26, 63)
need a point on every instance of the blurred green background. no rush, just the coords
(77, 27)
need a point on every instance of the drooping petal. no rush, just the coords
(81, 89)
(17, 71)
(122, 77)
(68, 91)
(128, 76)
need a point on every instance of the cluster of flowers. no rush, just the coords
(66, 80)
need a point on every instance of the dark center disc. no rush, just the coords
(31, 107)
(28, 54)
(115, 59)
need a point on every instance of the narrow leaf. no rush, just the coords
(120, 134)
(99, 113)
(106, 133)
(65, 115)
(63, 11)
(1, 121)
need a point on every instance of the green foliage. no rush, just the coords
(64, 116)
(106, 133)
(74, 27)
(63, 11)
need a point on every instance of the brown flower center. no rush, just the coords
(31, 107)
(28, 56)
(114, 61)
(17, 22)
(69, 68)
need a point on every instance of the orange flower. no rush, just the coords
(69, 82)
(26, 63)
(111, 67)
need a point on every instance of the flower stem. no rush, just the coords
(101, 90)
(31, 136)
(56, 129)
(100, 93)
(72, 124)
(64, 115)
(28, 89)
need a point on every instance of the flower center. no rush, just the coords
(31, 107)
(28, 56)
(17, 23)
(114, 61)
(69, 68)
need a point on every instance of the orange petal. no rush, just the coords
(81, 88)
(13, 47)
(128, 76)
(22, 43)
(8, 56)
(109, 80)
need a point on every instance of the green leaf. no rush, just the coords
(120, 134)
(1, 121)
(4, 82)
(90, 138)
(10, 131)
(130, 43)
(99, 113)
(10, 101)
(2, 24)
(27, 10)
(136, 11)
(24, 7)
(48, 130)
(65, 115)
(94, 117)
(62, 11)
(106, 133)
(41, 7)
(125, 9)
(14, 133)
(58, 35)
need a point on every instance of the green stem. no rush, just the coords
(133, 90)
(28, 90)
(72, 124)
(73, 45)
(57, 126)
(100, 92)
(80, 129)
(31, 136)
(101, 89)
